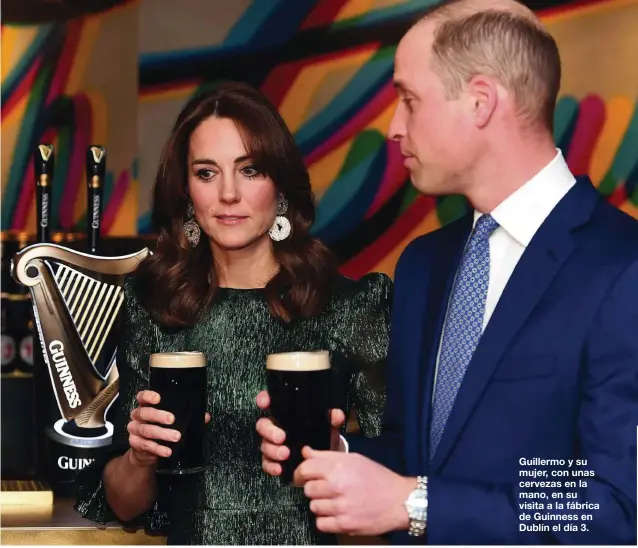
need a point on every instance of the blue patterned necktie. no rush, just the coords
(463, 325)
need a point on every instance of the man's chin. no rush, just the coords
(424, 185)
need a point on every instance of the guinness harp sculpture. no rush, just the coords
(77, 299)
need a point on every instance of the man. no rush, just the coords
(513, 362)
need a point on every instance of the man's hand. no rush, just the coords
(272, 446)
(352, 494)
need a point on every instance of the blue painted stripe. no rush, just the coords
(264, 24)
(14, 78)
(345, 203)
(565, 116)
(144, 225)
(135, 167)
(158, 60)
(384, 15)
(367, 81)
(267, 24)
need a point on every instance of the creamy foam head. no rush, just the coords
(178, 359)
(299, 361)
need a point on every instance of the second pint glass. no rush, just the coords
(180, 380)
(299, 384)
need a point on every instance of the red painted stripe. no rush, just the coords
(76, 174)
(282, 77)
(64, 64)
(367, 258)
(394, 176)
(279, 82)
(23, 89)
(577, 4)
(323, 14)
(589, 125)
(165, 87)
(619, 196)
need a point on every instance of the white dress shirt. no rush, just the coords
(519, 216)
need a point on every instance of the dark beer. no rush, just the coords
(180, 380)
(299, 384)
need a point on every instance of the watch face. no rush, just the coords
(418, 500)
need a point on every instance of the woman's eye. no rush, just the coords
(250, 172)
(205, 174)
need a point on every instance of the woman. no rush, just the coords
(235, 275)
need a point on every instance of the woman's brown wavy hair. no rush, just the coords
(173, 284)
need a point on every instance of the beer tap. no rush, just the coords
(95, 171)
(43, 163)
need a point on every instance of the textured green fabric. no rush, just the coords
(234, 501)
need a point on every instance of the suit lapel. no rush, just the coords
(542, 260)
(443, 268)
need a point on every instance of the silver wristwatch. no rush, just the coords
(417, 507)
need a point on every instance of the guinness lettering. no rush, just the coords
(96, 212)
(45, 210)
(57, 356)
(68, 463)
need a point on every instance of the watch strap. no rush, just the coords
(418, 519)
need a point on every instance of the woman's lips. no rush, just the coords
(230, 219)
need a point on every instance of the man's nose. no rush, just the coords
(396, 131)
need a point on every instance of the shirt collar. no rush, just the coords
(523, 212)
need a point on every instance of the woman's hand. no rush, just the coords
(148, 426)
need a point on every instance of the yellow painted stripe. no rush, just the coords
(99, 133)
(125, 223)
(587, 9)
(8, 43)
(181, 92)
(301, 94)
(99, 117)
(15, 42)
(326, 170)
(630, 209)
(618, 113)
(354, 8)
(382, 122)
(83, 54)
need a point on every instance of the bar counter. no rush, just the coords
(61, 524)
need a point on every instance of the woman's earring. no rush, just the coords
(280, 228)
(191, 228)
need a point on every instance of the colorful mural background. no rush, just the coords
(120, 77)
(72, 83)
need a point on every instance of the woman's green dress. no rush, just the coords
(234, 502)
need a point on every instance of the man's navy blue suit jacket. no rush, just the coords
(555, 376)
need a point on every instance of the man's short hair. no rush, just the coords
(507, 44)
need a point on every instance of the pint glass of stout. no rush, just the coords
(180, 380)
(299, 384)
